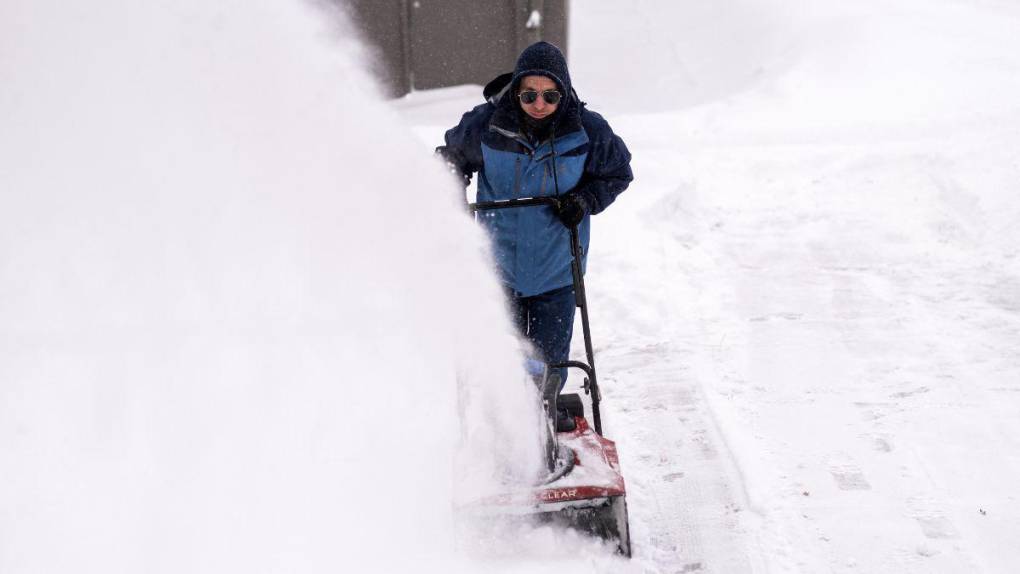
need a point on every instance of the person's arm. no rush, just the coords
(607, 170)
(463, 150)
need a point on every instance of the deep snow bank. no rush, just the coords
(232, 302)
(650, 56)
(802, 65)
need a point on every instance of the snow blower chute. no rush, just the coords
(584, 488)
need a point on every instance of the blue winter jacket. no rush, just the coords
(531, 245)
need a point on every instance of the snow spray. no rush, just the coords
(236, 299)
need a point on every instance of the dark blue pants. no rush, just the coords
(547, 320)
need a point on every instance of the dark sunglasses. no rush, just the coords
(551, 97)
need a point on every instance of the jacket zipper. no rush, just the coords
(517, 178)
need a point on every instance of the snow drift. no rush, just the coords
(231, 332)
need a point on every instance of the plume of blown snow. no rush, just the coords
(236, 302)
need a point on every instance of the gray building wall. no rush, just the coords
(424, 44)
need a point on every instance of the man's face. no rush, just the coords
(539, 84)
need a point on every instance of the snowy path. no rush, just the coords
(859, 356)
(685, 492)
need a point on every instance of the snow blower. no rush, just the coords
(584, 488)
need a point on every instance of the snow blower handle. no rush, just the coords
(553, 202)
(591, 385)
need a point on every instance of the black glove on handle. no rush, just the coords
(572, 209)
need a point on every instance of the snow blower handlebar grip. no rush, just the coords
(507, 203)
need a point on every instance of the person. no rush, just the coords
(533, 137)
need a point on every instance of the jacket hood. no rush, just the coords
(542, 59)
(499, 85)
(538, 59)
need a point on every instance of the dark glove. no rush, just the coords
(572, 209)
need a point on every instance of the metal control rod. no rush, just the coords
(591, 382)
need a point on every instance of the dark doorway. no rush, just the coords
(424, 44)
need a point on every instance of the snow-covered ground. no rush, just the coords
(807, 307)
(240, 308)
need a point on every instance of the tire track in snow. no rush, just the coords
(685, 497)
